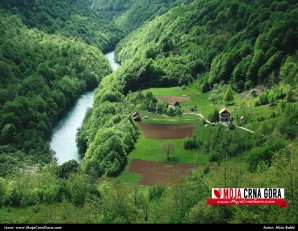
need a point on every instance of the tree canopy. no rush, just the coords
(41, 76)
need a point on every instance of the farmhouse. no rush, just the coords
(174, 104)
(224, 116)
(136, 116)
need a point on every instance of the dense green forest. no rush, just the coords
(243, 43)
(59, 194)
(130, 14)
(41, 75)
(212, 50)
(72, 19)
(51, 52)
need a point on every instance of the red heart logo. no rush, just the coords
(217, 193)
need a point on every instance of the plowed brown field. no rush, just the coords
(156, 172)
(165, 131)
(174, 98)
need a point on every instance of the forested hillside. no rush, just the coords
(241, 54)
(63, 195)
(244, 43)
(69, 18)
(40, 77)
(241, 43)
(130, 14)
(209, 44)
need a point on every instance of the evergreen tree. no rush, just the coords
(228, 96)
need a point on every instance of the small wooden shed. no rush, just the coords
(136, 116)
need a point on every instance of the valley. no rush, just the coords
(63, 140)
(205, 97)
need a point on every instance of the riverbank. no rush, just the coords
(63, 140)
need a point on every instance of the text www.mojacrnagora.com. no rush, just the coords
(32, 227)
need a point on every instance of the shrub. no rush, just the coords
(190, 142)
(67, 168)
(170, 112)
(232, 127)
(213, 116)
(156, 191)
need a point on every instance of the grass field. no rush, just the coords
(150, 149)
(241, 106)
(129, 177)
(198, 99)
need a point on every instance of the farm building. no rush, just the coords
(176, 51)
(174, 104)
(224, 116)
(243, 119)
(136, 116)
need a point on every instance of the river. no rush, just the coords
(63, 140)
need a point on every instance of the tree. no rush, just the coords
(156, 191)
(191, 142)
(79, 188)
(161, 107)
(202, 214)
(152, 53)
(67, 168)
(228, 97)
(288, 125)
(8, 134)
(213, 116)
(167, 148)
(290, 95)
(5, 73)
(170, 111)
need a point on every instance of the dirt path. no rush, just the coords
(207, 121)
(198, 114)
(245, 129)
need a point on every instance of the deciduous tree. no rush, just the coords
(167, 148)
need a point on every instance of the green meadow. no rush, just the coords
(151, 150)
(257, 117)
